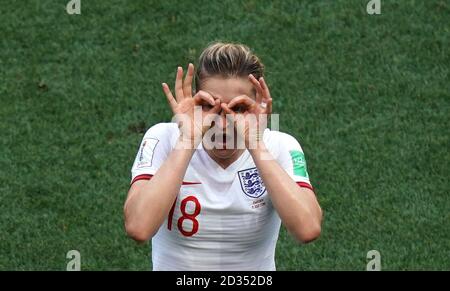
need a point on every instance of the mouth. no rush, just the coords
(221, 141)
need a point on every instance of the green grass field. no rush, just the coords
(366, 95)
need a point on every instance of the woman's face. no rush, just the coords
(225, 89)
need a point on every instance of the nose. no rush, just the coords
(222, 122)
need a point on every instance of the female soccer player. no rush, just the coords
(219, 207)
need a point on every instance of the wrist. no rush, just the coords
(260, 153)
(186, 144)
(256, 147)
(254, 139)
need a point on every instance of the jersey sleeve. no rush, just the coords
(292, 159)
(154, 149)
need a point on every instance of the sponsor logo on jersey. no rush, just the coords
(299, 163)
(146, 152)
(251, 183)
(141, 152)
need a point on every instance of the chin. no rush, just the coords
(222, 153)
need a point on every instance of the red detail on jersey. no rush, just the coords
(189, 216)
(191, 183)
(305, 185)
(148, 177)
(141, 177)
(169, 219)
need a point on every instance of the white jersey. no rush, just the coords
(222, 219)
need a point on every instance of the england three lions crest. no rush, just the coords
(251, 183)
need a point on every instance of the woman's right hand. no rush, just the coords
(192, 124)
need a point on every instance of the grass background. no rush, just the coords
(367, 96)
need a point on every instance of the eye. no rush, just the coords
(206, 107)
(239, 109)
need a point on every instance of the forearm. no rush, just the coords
(146, 209)
(297, 207)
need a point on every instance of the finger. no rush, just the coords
(179, 85)
(259, 89)
(265, 88)
(227, 109)
(269, 106)
(230, 115)
(243, 99)
(168, 93)
(216, 107)
(187, 85)
(203, 95)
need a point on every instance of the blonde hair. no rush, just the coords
(227, 60)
